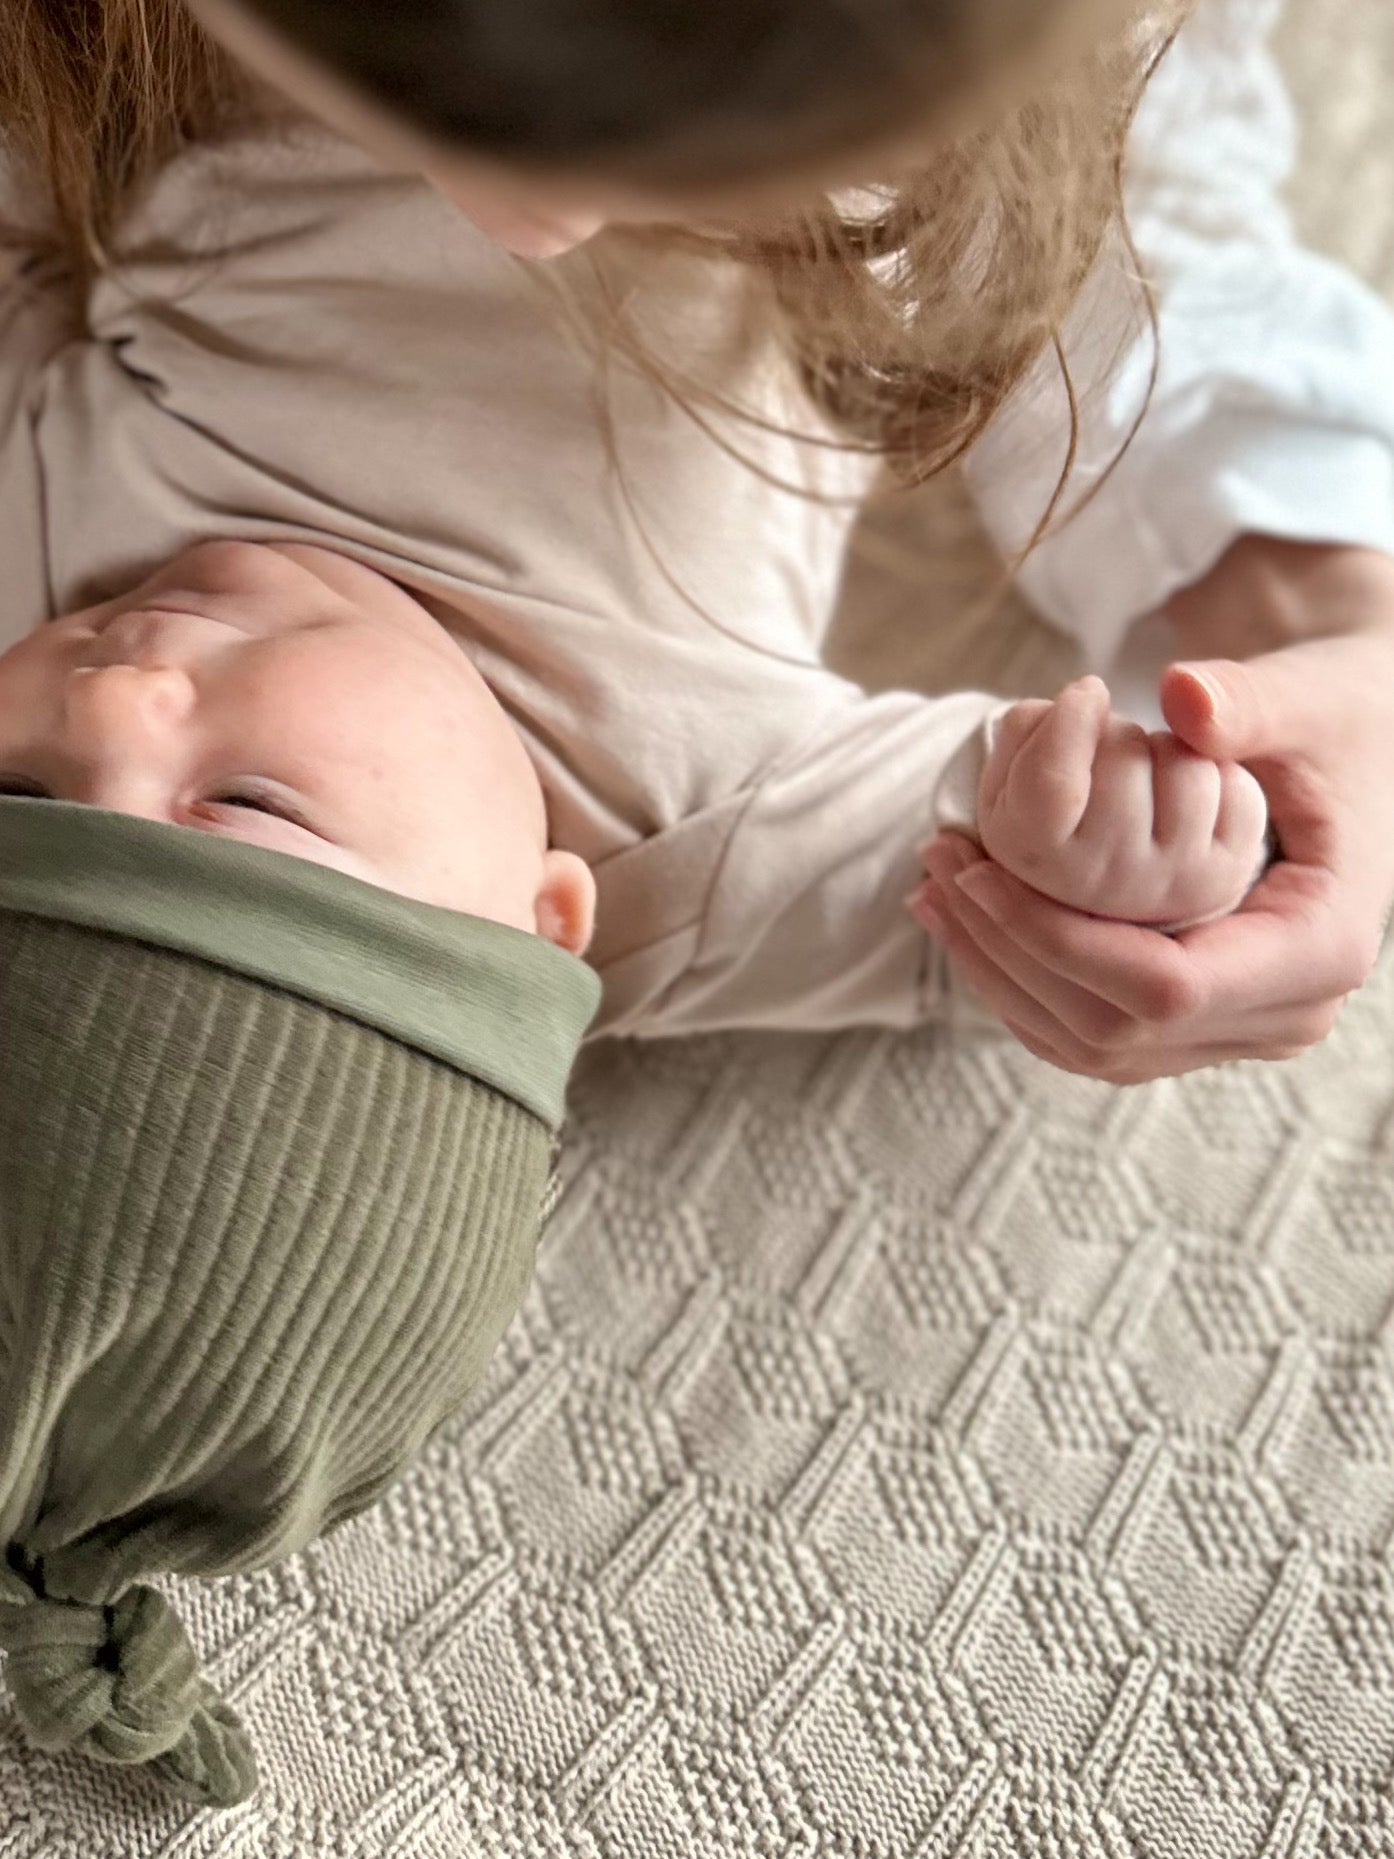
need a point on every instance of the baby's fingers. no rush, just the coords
(1185, 797)
(1049, 783)
(1011, 735)
(1242, 813)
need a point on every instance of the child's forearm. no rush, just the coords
(1266, 593)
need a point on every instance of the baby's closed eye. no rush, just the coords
(259, 796)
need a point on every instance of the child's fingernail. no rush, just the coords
(1208, 685)
(978, 884)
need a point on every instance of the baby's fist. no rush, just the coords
(1100, 815)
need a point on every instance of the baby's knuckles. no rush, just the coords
(1106, 862)
(1113, 878)
(1061, 794)
(1243, 807)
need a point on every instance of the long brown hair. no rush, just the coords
(912, 318)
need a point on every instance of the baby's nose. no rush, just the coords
(123, 735)
(106, 702)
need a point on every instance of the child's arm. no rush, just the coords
(1272, 417)
(1272, 411)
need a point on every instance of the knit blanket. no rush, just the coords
(906, 1452)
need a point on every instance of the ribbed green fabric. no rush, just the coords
(502, 1005)
(253, 1252)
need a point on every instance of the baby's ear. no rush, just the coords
(565, 902)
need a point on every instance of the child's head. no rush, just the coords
(985, 139)
(286, 697)
(546, 118)
(982, 142)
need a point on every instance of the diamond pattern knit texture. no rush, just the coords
(905, 1452)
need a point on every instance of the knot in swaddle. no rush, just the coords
(122, 1683)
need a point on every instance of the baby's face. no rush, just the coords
(289, 698)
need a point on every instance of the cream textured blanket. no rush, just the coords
(906, 1451)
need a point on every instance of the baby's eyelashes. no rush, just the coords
(235, 806)
(249, 801)
(254, 797)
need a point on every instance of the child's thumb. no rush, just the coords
(1227, 710)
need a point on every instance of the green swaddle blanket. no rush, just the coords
(274, 1147)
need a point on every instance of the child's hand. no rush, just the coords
(1104, 817)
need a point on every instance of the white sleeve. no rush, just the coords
(1274, 406)
(786, 906)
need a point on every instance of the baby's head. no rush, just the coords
(275, 1132)
(286, 697)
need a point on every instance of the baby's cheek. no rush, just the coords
(462, 859)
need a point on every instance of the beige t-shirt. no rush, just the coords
(298, 346)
